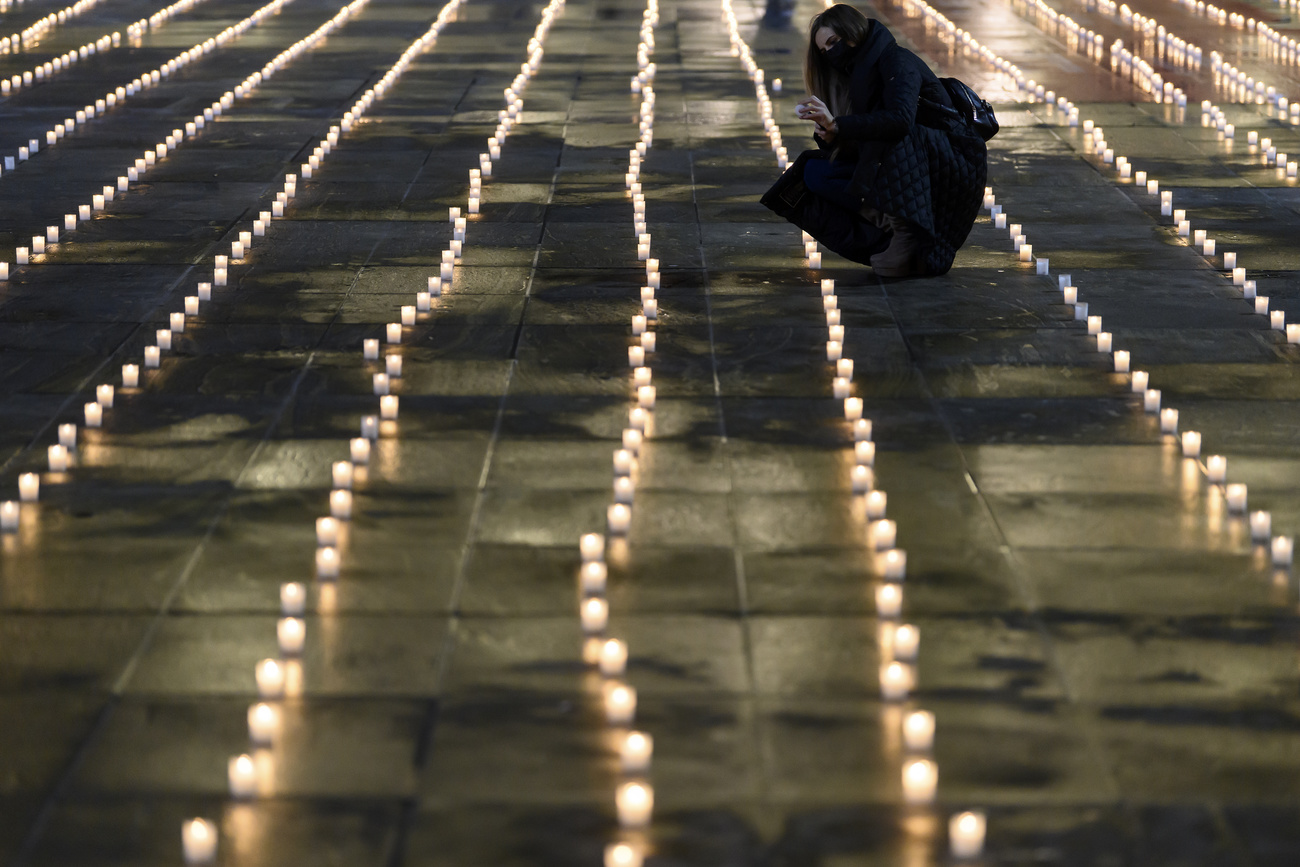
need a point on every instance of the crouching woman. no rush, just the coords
(898, 177)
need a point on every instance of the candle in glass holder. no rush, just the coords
(635, 802)
(877, 502)
(861, 479)
(918, 731)
(293, 599)
(895, 681)
(907, 642)
(1151, 400)
(1169, 421)
(883, 534)
(388, 407)
(104, 395)
(393, 366)
(895, 561)
(152, 356)
(966, 834)
(1236, 495)
(1104, 341)
(242, 776)
(163, 336)
(9, 512)
(595, 614)
(393, 332)
(635, 752)
(341, 504)
(1216, 469)
(620, 703)
(327, 562)
(1121, 361)
(199, 841)
(613, 658)
(263, 723)
(270, 678)
(920, 778)
(1261, 526)
(57, 455)
(94, 413)
(291, 633)
(1283, 551)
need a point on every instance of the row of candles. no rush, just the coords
(27, 38)
(52, 67)
(1281, 548)
(634, 794)
(275, 678)
(151, 78)
(1281, 49)
(740, 48)
(61, 455)
(1166, 46)
(899, 642)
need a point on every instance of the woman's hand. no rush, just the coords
(825, 134)
(815, 110)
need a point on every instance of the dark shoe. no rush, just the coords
(900, 259)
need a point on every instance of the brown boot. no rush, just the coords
(899, 260)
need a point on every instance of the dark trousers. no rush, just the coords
(830, 181)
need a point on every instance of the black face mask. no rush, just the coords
(840, 56)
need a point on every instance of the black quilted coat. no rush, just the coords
(924, 168)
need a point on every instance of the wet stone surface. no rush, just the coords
(1111, 662)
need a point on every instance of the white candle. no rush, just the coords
(191, 305)
(883, 534)
(205, 291)
(907, 642)
(853, 408)
(635, 752)
(1216, 469)
(341, 504)
(592, 546)
(1026, 252)
(293, 598)
(68, 436)
(152, 356)
(918, 731)
(370, 349)
(1238, 276)
(9, 516)
(327, 562)
(623, 854)
(966, 834)
(844, 368)
(895, 681)
(613, 658)
(1277, 320)
(1236, 496)
(1261, 304)
(380, 383)
(1261, 526)
(291, 632)
(1139, 381)
(999, 221)
(104, 395)
(94, 414)
(199, 841)
(889, 600)
(593, 576)
(1191, 444)
(1209, 247)
(595, 614)
(635, 356)
(388, 407)
(920, 778)
(263, 723)
(877, 503)
(57, 456)
(841, 387)
(635, 803)
(645, 397)
(834, 350)
(1229, 261)
(620, 703)
(270, 678)
(648, 341)
(828, 287)
(242, 774)
(1153, 187)
(1169, 421)
(408, 314)
(219, 276)
(1283, 551)
(1151, 400)
(861, 479)
(1104, 341)
(1121, 361)
(1094, 325)
(393, 332)
(814, 261)
(895, 564)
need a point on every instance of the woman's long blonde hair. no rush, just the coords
(819, 77)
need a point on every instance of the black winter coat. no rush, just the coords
(912, 163)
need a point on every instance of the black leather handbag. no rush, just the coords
(974, 109)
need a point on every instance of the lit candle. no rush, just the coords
(595, 614)
(388, 407)
(966, 834)
(199, 841)
(635, 803)
(8, 516)
(1229, 261)
(834, 350)
(1094, 325)
(327, 562)
(844, 368)
(840, 387)
(883, 534)
(889, 600)
(380, 383)
(152, 356)
(1104, 341)
(1216, 469)
(620, 703)
(1261, 526)
(645, 397)
(1236, 497)
(907, 642)
(341, 504)
(862, 479)
(1139, 381)
(94, 414)
(263, 723)
(648, 341)
(242, 774)
(895, 564)
(1209, 248)
(635, 752)
(1191, 444)
(635, 356)
(877, 503)
(592, 546)
(68, 436)
(1026, 252)
(291, 632)
(894, 681)
(205, 292)
(613, 658)
(1283, 550)
(58, 458)
(918, 731)
(1169, 421)
(370, 349)
(1238, 276)
(920, 778)
(1121, 361)
(1151, 400)
(393, 332)
(270, 678)
(293, 598)
(1261, 304)
(814, 261)
(408, 314)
